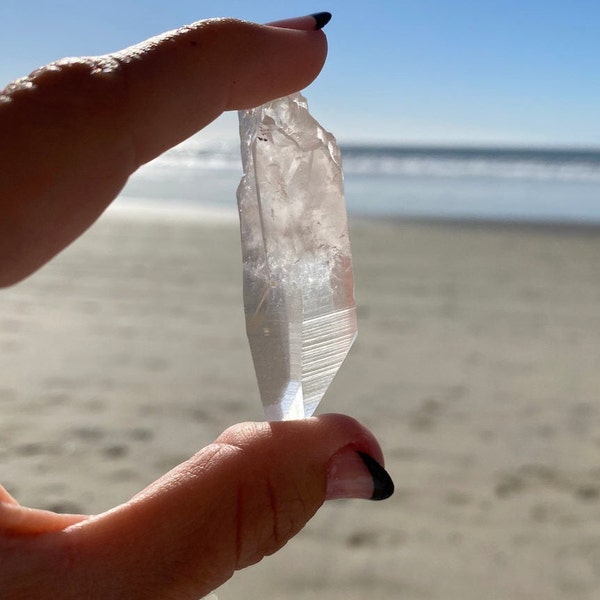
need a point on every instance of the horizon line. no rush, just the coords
(465, 145)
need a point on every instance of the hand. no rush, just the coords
(71, 134)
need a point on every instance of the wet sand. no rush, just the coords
(477, 366)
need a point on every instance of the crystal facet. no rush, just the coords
(298, 279)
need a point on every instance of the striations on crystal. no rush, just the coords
(297, 265)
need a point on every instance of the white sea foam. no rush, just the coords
(562, 165)
(457, 182)
(154, 209)
(425, 166)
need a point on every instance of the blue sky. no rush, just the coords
(416, 71)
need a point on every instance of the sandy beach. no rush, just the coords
(477, 366)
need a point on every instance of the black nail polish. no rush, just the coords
(321, 18)
(383, 486)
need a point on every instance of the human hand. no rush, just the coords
(71, 135)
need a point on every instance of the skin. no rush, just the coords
(71, 134)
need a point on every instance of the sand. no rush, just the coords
(477, 366)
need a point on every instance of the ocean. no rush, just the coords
(395, 181)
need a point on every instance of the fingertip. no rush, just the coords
(349, 428)
(317, 438)
(282, 61)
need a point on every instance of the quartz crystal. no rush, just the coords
(298, 279)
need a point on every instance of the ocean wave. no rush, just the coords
(458, 163)
(545, 165)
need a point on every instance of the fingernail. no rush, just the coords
(312, 22)
(353, 474)
(321, 19)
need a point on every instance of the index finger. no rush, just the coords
(74, 131)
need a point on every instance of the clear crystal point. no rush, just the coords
(298, 279)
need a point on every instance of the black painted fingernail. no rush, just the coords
(383, 486)
(354, 474)
(321, 19)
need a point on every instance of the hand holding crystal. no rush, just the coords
(72, 133)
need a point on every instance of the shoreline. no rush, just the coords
(550, 226)
(138, 209)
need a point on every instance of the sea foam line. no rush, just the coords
(166, 210)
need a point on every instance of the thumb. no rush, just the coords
(236, 501)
